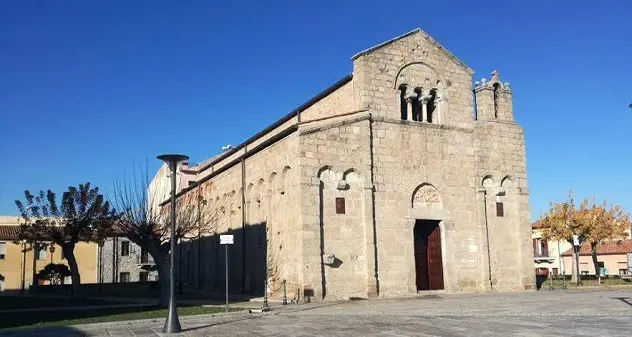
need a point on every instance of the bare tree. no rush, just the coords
(144, 219)
(83, 215)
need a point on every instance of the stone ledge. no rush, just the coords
(422, 124)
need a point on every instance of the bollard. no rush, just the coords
(265, 294)
(284, 299)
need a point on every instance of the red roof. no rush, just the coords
(8, 232)
(605, 248)
(536, 225)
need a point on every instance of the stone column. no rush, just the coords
(409, 107)
(424, 110)
(483, 218)
(370, 241)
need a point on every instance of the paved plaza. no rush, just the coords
(542, 313)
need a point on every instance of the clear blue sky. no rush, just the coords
(87, 88)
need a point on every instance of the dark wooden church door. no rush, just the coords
(428, 257)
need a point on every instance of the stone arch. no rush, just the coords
(353, 178)
(260, 192)
(271, 179)
(284, 179)
(327, 176)
(249, 192)
(408, 65)
(487, 181)
(232, 202)
(507, 182)
(425, 195)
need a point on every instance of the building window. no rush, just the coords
(124, 277)
(540, 248)
(416, 105)
(40, 251)
(124, 248)
(500, 209)
(144, 256)
(340, 206)
(402, 102)
(143, 276)
(431, 106)
(3, 250)
(496, 98)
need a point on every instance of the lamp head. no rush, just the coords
(173, 158)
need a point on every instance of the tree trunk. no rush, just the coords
(161, 259)
(593, 253)
(163, 279)
(573, 267)
(69, 254)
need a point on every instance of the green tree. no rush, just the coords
(54, 273)
(82, 215)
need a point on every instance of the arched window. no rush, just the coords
(402, 101)
(431, 107)
(416, 105)
(496, 97)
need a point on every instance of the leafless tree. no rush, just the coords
(145, 219)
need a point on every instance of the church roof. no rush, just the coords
(413, 32)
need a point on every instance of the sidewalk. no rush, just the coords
(153, 326)
(551, 313)
(87, 307)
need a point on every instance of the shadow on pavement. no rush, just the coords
(62, 331)
(626, 300)
(38, 318)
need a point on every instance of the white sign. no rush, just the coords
(226, 239)
(576, 240)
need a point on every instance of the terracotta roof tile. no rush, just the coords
(605, 248)
(8, 232)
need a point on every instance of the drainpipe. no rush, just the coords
(489, 259)
(199, 242)
(243, 221)
(373, 220)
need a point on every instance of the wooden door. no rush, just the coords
(435, 262)
(421, 259)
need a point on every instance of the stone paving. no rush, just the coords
(543, 313)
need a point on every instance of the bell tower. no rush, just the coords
(493, 99)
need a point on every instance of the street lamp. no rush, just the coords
(172, 324)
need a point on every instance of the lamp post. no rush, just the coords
(172, 323)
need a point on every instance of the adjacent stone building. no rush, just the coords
(121, 261)
(401, 177)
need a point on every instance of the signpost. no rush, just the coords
(577, 251)
(226, 240)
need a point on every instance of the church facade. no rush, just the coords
(404, 176)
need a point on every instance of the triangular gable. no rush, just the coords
(413, 32)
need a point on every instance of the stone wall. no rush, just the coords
(114, 263)
(331, 208)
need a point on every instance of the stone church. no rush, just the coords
(403, 176)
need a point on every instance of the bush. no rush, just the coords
(54, 273)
